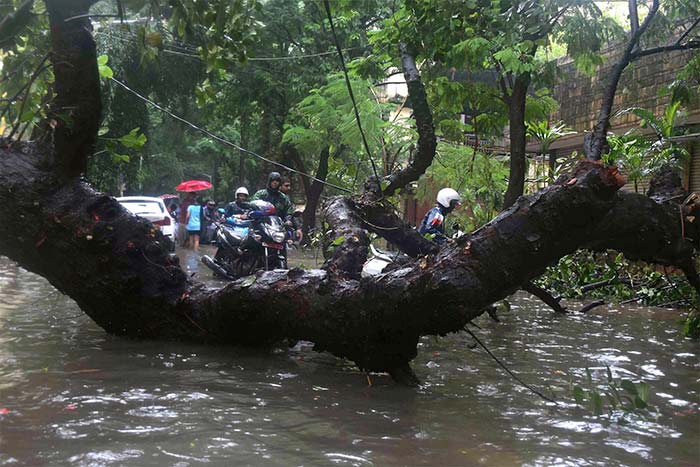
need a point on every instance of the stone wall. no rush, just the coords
(580, 97)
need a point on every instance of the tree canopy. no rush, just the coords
(250, 71)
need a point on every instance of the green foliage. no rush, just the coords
(25, 76)
(540, 106)
(499, 46)
(626, 280)
(617, 397)
(480, 179)
(265, 72)
(104, 70)
(546, 134)
(585, 32)
(133, 139)
(114, 147)
(691, 325)
(325, 119)
(636, 155)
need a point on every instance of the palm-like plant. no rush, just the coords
(637, 155)
(547, 134)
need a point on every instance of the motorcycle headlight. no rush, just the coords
(257, 237)
(278, 237)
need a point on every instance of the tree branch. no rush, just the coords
(634, 15)
(28, 88)
(687, 31)
(596, 142)
(292, 153)
(549, 26)
(545, 296)
(667, 48)
(77, 107)
(15, 21)
(427, 142)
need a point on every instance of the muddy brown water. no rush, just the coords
(72, 395)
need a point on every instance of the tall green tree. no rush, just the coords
(505, 40)
(676, 20)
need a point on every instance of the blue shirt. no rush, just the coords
(194, 210)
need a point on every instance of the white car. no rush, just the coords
(152, 209)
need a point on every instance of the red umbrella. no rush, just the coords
(193, 185)
(168, 196)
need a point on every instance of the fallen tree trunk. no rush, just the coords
(119, 270)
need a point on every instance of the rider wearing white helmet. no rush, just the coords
(240, 205)
(434, 221)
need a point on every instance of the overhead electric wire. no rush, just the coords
(189, 50)
(293, 57)
(502, 365)
(352, 95)
(224, 141)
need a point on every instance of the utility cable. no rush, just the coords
(226, 142)
(294, 57)
(523, 383)
(188, 50)
(352, 96)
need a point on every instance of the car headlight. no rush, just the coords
(278, 237)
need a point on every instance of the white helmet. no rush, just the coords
(241, 191)
(446, 196)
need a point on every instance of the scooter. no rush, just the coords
(249, 245)
(378, 260)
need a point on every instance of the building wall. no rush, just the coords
(693, 178)
(580, 98)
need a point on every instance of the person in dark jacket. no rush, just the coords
(273, 195)
(434, 221)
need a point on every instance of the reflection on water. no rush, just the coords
(70, 394)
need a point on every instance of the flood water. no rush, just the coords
(72, 395)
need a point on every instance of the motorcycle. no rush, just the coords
(249, 245)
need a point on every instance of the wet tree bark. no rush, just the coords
(312, 188)
(427, 141)
(516, 116)
(75, 114)
(119, 270)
